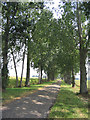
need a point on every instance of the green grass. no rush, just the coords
(15, 93)
(12, 82)
(68, 104)
(78, 83)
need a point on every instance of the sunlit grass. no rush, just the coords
(12, 81)
(78, 83)
(68, 104)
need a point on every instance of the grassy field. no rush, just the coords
(78, 83)
(13, 93)
(12, 82)
(68, 104)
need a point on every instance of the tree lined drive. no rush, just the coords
(55, 46)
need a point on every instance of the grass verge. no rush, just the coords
(68, 104)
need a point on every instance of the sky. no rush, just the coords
(54, 4)
(12, 70)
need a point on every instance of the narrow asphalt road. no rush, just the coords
(36, 105)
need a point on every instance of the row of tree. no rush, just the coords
(57, 46)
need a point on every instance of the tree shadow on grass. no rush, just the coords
(11, 93)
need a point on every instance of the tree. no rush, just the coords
(17, 24)
(32, 19)
(40, 40)
(82, 39)
(5, 40)
(83, 49)
(12, 30)
(23, 64)
(67, 58)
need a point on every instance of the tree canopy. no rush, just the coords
(55, 46)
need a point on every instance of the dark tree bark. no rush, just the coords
(28, 65)
(73, 78)
(40, 79)
(67, 77)
(28, 73)
(53, 76)
(48, 74)
(15, 69)
(83, 54)
(22, 68)
(83, 74)
(41, 75)
(5, 55)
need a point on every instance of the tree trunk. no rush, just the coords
(83, 75)
(40, 78)
(22, 68)
(73, 78)
(5, 56)
(28, 72)
(28, 66)
(15, 69)
(83, 54)
(67, 77)
(48, 75)
(53, 76)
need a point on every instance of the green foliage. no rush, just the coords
(50, 43)
(85, 6)
(18, 21)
